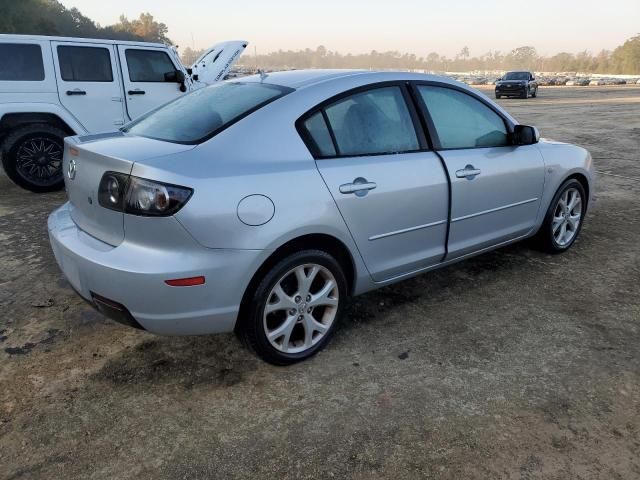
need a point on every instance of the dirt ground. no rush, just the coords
(515, 364)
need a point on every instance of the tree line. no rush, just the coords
(50, 17)
(623, 60)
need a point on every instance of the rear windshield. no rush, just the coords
(198, 116)
(517, 76)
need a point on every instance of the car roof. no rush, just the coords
(39, 38)
(299, 79)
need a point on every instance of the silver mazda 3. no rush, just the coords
(260, 205)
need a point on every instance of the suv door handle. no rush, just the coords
(136, 92)
(76, 92)
(360, 187)
(469, 172)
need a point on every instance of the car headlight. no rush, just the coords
(139, 196)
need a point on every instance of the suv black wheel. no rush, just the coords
(295, 308)
(32, 157)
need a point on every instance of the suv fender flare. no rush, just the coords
(17, 114)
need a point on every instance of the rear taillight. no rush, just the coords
(138, 196)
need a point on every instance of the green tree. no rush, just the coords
(626, 58)
(143, 27)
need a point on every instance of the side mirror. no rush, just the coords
(177, 76)
(525, 135)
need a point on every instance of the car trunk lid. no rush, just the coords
(86, 159)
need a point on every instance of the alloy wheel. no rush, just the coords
(39, 160)
(301, 308)
(567, 216)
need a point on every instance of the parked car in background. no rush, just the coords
(260, 204)
(52, 87)
(517, 84)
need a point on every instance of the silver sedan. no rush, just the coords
(260, 205)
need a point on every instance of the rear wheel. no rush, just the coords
(32, 157)
(295, 308)
(535, 93)
(563, 221)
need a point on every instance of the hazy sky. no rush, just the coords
(412, 26)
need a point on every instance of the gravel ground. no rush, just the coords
(514, 364)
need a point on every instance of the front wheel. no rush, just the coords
(32, 157)
(563, 221)
(295, 308)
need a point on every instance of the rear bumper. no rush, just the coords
(133, 277)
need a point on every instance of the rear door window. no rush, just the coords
(148, 65)
(21, 62)
(373, 122)
(85, 64)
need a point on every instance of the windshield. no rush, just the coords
(198, 116)
(516, 76)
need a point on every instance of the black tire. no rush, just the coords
(545, 237)
(251, 327)
(526, 93)
(535, 93)
(498, 96)
(18, 144)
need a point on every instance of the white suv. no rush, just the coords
(53, 87)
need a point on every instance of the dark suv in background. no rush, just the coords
(517, 84)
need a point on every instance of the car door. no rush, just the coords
(496, 187)
(391, 192)
(89, 84)
(145, 85)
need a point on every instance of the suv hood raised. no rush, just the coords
(215, 63)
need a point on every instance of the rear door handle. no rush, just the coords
(470, 172)
(76, 92)
(360, 187)
(136, 92)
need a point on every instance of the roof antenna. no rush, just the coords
(263, 75)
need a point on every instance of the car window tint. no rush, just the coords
(21, 61)
(373, 122)
(462, 121)
(195, 117)
(317, 129)
(148, 65)
(85, 64)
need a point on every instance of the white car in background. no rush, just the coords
(53, 87)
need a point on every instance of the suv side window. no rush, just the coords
(85, 64)
(462, 121)
(21, 62)
(148, 65)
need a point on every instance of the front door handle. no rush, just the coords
(76, 92)
(360, 187)
(136, 92)
(469, 172)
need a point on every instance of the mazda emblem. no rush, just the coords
(71, 170)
